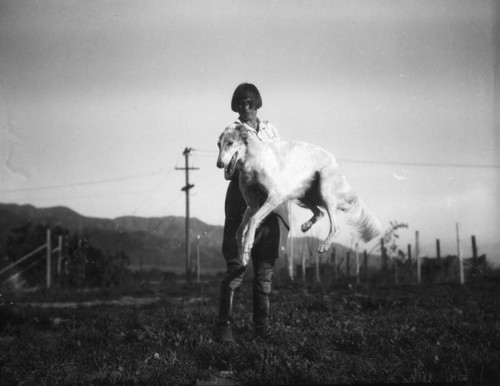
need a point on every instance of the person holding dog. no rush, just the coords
(270, 237)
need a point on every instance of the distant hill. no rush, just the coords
(151, 242)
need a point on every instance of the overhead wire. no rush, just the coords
(83, 183)
(150, 192)
(423, 164)
(209, 153)
(171, 202)
(85, 196)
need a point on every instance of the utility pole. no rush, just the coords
(186, 189)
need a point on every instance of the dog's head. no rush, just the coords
(232, 145)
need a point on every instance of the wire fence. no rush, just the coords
(341, 265)
(347, 266)
(433, 270)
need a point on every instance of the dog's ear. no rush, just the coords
(220, 140)
(243, 133)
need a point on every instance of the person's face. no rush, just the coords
(246, 109)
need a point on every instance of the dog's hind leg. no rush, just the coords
(310, 199)
(317, 214)
(334, 228)
(332, 185)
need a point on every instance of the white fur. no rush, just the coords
(289, 171)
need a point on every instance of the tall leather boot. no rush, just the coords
(261, 313)
(224, 329)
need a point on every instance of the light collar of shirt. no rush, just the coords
(259, 125)
(260, 128)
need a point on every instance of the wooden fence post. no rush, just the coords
(365, 258)
(417, 256)
(49, 263)
(303, 267)
(59, 255)
(316, 266)
(474, 253)
(348, 265)
(333, 258)
(291, 260)
(357, 262)
(459, 253)
(289, 265)
(383, 255)
(474, 249)
(409, 255)
(395, 269)
(198, 273)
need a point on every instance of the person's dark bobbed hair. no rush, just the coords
(244, 91)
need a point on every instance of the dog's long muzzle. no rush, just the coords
(229, 167)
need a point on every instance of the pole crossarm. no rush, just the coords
(189, 168)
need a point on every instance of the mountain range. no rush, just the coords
(156, 242)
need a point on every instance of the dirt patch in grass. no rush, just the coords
(123, 301)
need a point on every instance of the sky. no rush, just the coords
(99, 99)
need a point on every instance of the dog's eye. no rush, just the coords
(229, 143)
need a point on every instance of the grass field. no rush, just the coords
(328, 335)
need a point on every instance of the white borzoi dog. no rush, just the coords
(275, 172)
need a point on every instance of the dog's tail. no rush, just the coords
(365, 222)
